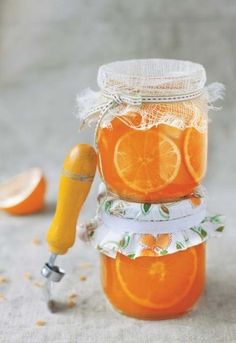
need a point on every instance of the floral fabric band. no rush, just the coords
(109, 232)
(113, 205)
(109, 242)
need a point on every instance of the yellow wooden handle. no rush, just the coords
(77, 176)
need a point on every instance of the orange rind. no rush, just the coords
(195, 148)
(24, 193)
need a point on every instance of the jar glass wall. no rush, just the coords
(162, 163)
(154, 287)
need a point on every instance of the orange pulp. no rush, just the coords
(158, 164)
(24, 193)
(154, 287)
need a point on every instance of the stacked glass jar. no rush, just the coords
(151, 226)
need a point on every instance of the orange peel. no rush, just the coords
(24, 193)
(195, 147)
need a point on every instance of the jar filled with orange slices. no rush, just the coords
(151, 134)
(152, 255)
(152, 225)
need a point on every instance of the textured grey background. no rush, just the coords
(49, 50)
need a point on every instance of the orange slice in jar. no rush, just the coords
(146, 161)
(157, 282)
(195, 152)
(171, 131)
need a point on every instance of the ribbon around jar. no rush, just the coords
(116, 99)
(109, 239)
(95, 105)
(152, 227)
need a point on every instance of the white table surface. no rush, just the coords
(49, 51)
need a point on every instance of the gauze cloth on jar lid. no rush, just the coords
(141, 85)
(152, 77)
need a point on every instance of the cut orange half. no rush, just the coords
(146, 161)
(24, 193)
(195, 148)
(157, 282)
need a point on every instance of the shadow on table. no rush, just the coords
(59, 307)
(50, 207)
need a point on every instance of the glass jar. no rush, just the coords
(152, 255)
(159, 164)
(151, 223)
(155, 150)
(154, 287)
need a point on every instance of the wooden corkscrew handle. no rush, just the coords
(76, 179)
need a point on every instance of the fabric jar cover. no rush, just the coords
(140, 85)
(136, 229)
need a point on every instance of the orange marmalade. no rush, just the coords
(161, 163)
(154, 287)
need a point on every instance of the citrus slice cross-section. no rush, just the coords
(195, 148)
(24, 193)
(146, 161)
(157, 282)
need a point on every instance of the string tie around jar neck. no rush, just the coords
(114, 99)
(120, 98)
(120, 224)
(127, 86)
(139, 99)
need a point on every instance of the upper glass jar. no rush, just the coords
(151, 131)
(155, 150)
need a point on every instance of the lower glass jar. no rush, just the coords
(154, 287)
